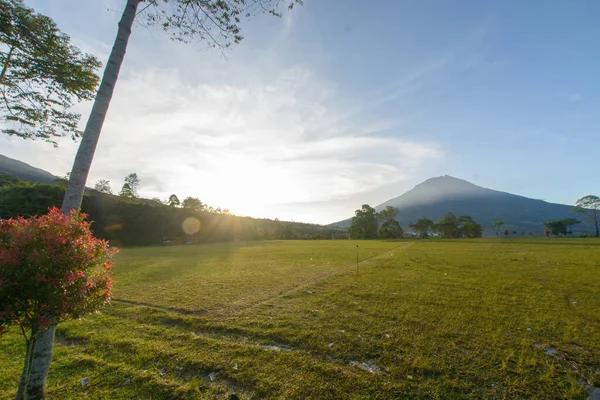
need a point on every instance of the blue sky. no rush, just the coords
(341, 103)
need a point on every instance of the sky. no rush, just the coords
(342, 103)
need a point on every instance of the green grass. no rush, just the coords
(434, 319)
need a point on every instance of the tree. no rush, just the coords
(133, 181)
(422, 227)
(469, 228)
(42, 75)
(364, 223)
(9, 180)
(214, 22)
(448, 226)
(284, 230)
(173, 201)
(126, 191)
(27, 199)
(569, 222)
(497, 224)
(560, 226)
(390, 228)
(52, 269)
(588, 206)
(103, 186)
(387, 214)
(193, 203)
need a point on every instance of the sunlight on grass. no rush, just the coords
(427, 319)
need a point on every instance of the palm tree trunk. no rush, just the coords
(42, 355)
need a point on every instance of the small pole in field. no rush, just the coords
(356, 259)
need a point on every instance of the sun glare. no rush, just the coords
(190, 225)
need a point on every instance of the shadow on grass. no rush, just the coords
(181, 311)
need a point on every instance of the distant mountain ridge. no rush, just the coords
(435, 197)
(431, 199)
(24, 171)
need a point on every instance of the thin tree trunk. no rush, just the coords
(91, 134)
(42, 355)
(35, 388)
(30, 344)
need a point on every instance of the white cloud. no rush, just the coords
(252, 148)
(248, 147)
(251, 134)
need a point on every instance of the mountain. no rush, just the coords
(24, 171)
(431, 199)
(435, 197)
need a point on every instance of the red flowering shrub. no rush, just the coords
(52, 268)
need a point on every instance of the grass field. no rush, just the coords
(487, 318)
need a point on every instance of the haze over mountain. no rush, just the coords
(436, 197)
(24, 171)
(431, 199)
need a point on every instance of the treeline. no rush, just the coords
(132, 221)
(369, 224)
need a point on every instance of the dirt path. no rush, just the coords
(346, 269)
(229, 313)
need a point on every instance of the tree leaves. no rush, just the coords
(216, 23)
(42, 76)
(588, 206)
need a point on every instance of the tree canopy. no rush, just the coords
(42, 75)
(422, 227)
(448, 226)
(469, 228)
(173, 201)
(126, 191)
(103, 186)
(364, 223)
(193, 203)
(588, 207)
(133, 182)
(390, 228)
(559, 227)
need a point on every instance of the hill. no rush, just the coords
(436, 197)
(141, 222)
(21, 170)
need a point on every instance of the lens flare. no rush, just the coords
(191, 225)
